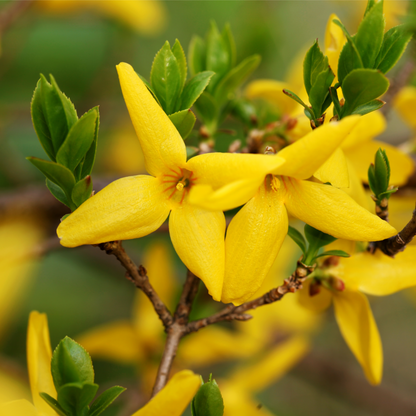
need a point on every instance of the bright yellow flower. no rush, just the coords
(363, 273)
(256, 233)
(135, 206)
(147, 17)
(405, 104)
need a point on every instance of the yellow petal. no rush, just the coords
(304, 157)
(334, 42)
(128, 208)
(316, 303)
(332, 211)
(400, 210)
(359, 329)
(12, 386)
(378, 274)
(20, 408)
(334, 170)
(39, 355)
(173, 399)
(361, 156)
(254, 238)
(272, 366)
(356, 189)
(272, 91)
(198, 238)
(117, 341)
(368, 127)
(405, 103)
(162, 145)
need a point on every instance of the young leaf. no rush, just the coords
(235, 78)
(335, 100)
(181, 59)
(82, 191)
(58, 193)
(362, 86)
(320, 90)
(370, 5)
(196, 55)
(194, 88)
(368, 107)
(317, 238)
(184, 122)
(314, 63)
(78, 141)
(165, 78)
(298, 238)
(296, 98)
(338, 253)
(75, 397)
(382, 171)
(206, 107)
(105, 399)
(71, 364)
(229, 42)
(208, 400)
(53, 403)
(89, 160)
(394, 44)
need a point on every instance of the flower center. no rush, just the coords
(177, 183)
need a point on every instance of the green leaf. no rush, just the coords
(75, 397)
(196, 55)
(177, 50)
(369, 107)
(362, 86)
(218, 59)
(296, 98)
(184, 122)
(105, 399)
(245, 111)
(194, 88)
(382, 171)
(372, 179)
(78, 141)
(58, 193)
(208, 400)
(89, 160)
(370, 5)
(165, 78)
(314, 63)
(335, 100)
(298, 238)
(145, 82)
(229, 42)
(207, 110)
(235, 78)
(320, 91)
(316, 239)
(370, 35)
(338, 253)
(82, 191)
(71, 364)
(53, 403)
(191, 151)
(394, 44)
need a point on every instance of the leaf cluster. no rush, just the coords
(70, 143)
(73, 377)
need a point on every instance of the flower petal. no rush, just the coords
(116, 341)
(198, 238)
(378, 274)
(334, 42)
(356, 189)
(39, 356)
(254, 238)
(128, 208)
(405, 103)
(316, 303)
(361, 156)
(173, 399)
(304, 157)
(359, 329)
(162, 145)
(20, 408)
(334, 170)
(332, 211)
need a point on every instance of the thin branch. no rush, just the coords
(138, 276)
(190, 289)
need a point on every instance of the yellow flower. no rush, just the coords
(256, 233)
(147, 17)
(135, 206)
(405, 104)
(362, 273)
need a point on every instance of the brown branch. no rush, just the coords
(393, 245)
(138, 276)
(190, 289)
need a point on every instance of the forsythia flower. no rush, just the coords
(405, 104)
(256, 233)
(363, 273)
(135, 206)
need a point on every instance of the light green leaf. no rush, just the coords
(208, 400)
(207, 110)
(320, 90)
(75, 397)
(196, 55)
(105, 399)
(177, 50)
(89, 160)
(194, 88)
(82, 191)
(184, 122)
(314, 63)
(316, 239)
(338, 253)
(229, 42)
(369, 107)
(53, 403)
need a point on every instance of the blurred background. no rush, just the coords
(80, 43)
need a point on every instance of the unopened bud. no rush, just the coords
(269, 150)
(336, 283)
(314, 288)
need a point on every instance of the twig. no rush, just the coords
(138, 276)
(393, 245)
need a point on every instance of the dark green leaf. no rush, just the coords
(316, 239)
(145, 82)
(369, 107)
(82, 191)
(370, 35)
(53, 403)
(71, 364)
(78, 141)
(235, 78)
(196, 55)
(194, 88)
(314, 63)
(184, 122)
(320, 91)
(208, 400)
(362, 86)
(89, 160)
(387, 194)
(105, 399)
(58, 193)
(177, 50)
(75, 397)
(370, 5)
(372, 179)
(335, 100)
(298, 238)
(338, 253)
(244, 110)
(207, 110)
(229, 42)
(165, 78)
(394, 44)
